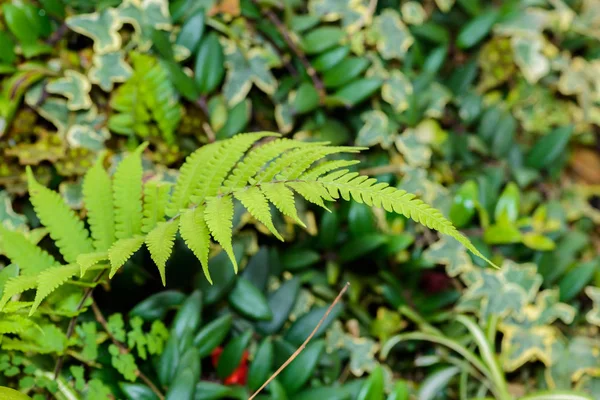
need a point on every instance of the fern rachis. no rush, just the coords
(201, 205)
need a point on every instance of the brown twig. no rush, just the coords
(310, 70)
(123, 349)
(299, 350)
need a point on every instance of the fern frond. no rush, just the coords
(156, 197)
(284, 161)
(88, 260)
(189, 176)
(257, 205)
(121, 250)
(160, 244)
(222, 161)
(127, 195)
(30, 258)
(219, 216)
(283, 198)
(49, 280)
(65, 227)
(325, 167)
(97, 197)
(196, 235)
(162, 101)
(16, 285)
(257, 158)
(368, 191)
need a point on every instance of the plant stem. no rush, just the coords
(123, 349)
(299, 350)
(72, 323)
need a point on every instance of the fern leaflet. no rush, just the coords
(127, 194)
(97, 197)
(196, 235)
(156, 197)
(160, 244)
(257, 205)
(49, 280)
(29, 257)
(88, 260)
(65, 227)
(122, 250)
(16, 285)
(219, 216)
(283, 198)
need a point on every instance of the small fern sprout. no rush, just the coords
(123, 213)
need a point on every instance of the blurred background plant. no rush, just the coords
(489, 111)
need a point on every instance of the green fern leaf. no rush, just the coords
(121, 250)
(313, 193)
(156, 197)
(160, 244)
(87, 261)
(221, 162)
(219, 217)
(367, 190)
(49, 280)
(127, 195)
(189, 176)
(30, 258)
(325, 167)
(196, 235)
(257, 158)
(97, 196)
(16, 285)
(283, 198)
(257, 205)
(64, 225)
(14, 324)
(286, 160)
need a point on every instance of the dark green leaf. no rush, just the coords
(295, 375)
(137, 391)
(345, 71)
(478, 28)
(191, 31)
(232, 354)
(320, 39)
(248, 300)
(576, 279)
(189, 316)
(357, 91)
(281, 302)
(304, 325)
(209, 68)
(157, 305)
(549, 147)
(183, 386)
(262, 365)
(330, 58)
(212, 335)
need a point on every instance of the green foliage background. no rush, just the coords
(488, 111)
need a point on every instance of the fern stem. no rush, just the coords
(72, 323)
(123, 349)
